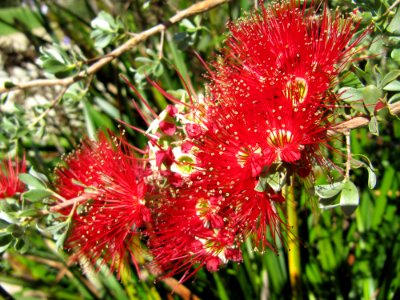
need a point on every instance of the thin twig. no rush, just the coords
(160, 50)
(348, 150)
(52, 105)
(72, 201)
(128, 45)
(391, 7)
(356, 122)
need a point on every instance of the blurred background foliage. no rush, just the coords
(342, 257)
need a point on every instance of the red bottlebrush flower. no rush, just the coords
(190, 229)
(270, 106)
(268, 113)
(9, 181)
(271, 91)
(109, 180)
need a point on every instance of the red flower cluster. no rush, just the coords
(104, 181)
(215, 167)
(270, 106)
(9, 181)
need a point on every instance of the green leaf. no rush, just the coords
(101, 39)
(222, 293)
(54, 229)
(349, 79)
(61, 239)
(261, 185)
(90, 126)
(274, 180)
(394, 25)
(371, 95)
(54, 53)
(9, 218)
(349, 198)
(106, 29)
(68, 70)
(16, 231)
(349, 94)
(36, 195)
(396, 55)
(31, 181)
(371, 174)
(107, 107)
(5, 241)
(9, 85)
(21, 246)
(389, 77)
(3, 224)
(38, 175)
(186, 23)
(326, 191)
(102, 25)
(394, 98)
(394, 86)
(373, 126)
(377, 47)
(144, 60)
(104, 21)
(371, 178)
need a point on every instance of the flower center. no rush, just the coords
(244, 154)
(184, 165)
(280, 137)
(296, 90)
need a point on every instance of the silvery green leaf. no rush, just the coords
(389, 77)
(371, 174)
(36, 195)
(373, 126)
(371, 95)
(393, 86)
(327, 191)
(104, 21)
(32, 181)
(349, 198)
(394, 25)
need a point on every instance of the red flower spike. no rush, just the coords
(271, 104)
(269, 108)
(107, 225)
(271, 91)
(195, 224)
(10, 184)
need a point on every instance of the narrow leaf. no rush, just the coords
(31, 181)
(36, 195)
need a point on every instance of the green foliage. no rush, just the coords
(105, 29)
(56, 60)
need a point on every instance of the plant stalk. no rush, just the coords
(293, 245)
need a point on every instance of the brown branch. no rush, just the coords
(179, 289)
(128, 45)
(360, 121)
